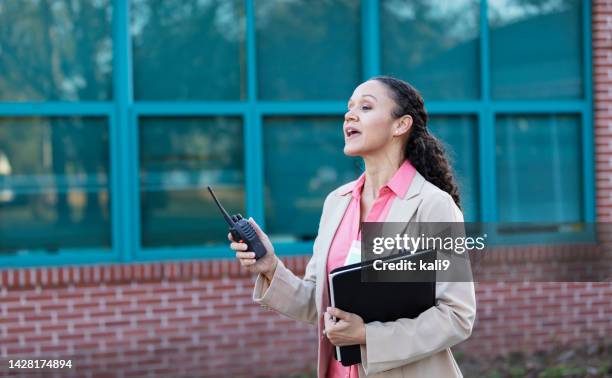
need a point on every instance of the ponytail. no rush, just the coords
(424, 151)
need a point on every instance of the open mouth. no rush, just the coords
(351, 132)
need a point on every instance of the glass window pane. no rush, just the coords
(54, 178)
(536, 49)
(179, 157)
(459, 135)
(296, 38)
(434, 45)
(304, 162)
(55, 50)
(539, 176)
(188, 49)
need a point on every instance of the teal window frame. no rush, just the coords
(123, 114)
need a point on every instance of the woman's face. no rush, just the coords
(368, 124)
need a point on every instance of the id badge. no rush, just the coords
(354, 254)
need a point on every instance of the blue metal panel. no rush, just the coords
(122, 146)
(55, 108)
(64, 257)
(583, 237)
(163, 108)
(370, 38)
(486, 124)
(302, 107)
(253, 140)
(298, 248)
(186, 253)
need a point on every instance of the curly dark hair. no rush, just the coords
(424, 151)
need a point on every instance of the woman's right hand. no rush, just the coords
(266, 265)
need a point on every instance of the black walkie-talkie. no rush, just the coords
(241, 230)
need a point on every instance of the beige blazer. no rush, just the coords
(417, 347)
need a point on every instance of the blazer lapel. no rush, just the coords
(328, 230)
(403, 209)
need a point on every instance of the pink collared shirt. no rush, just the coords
(349, 231)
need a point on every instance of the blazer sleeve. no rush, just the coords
(288, 294)
(393, 344)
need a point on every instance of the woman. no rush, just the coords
(407, 179)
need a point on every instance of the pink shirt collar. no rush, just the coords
(399, 183)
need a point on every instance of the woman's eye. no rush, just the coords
(366, 107)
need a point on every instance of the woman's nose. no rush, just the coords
(349, 116)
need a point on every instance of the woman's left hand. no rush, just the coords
(348, 330)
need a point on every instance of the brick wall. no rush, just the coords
(164, 318)
(181, 318)
(196, 318)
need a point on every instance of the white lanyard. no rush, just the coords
(354, 254)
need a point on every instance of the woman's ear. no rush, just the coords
(404, 124)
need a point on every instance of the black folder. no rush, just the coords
(375, 300)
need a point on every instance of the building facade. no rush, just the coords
(114, 116)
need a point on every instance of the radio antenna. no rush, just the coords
(228, 219)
